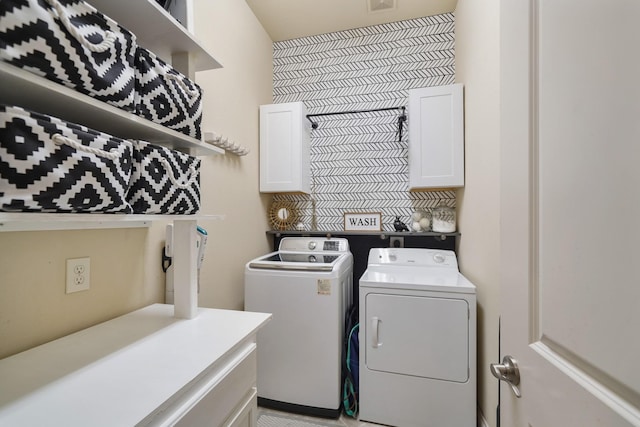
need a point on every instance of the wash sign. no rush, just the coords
(371, 221)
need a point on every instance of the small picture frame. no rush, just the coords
(362, 221)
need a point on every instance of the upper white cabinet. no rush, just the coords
(285, 137)
(436, 137)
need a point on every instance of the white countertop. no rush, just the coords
(118, 372)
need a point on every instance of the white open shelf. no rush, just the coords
(159, 32)
(36, 93)
(156, 30)
(32, 221)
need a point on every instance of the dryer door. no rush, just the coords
(418, 336)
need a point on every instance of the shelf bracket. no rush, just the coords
(185, 271)
(185, 63)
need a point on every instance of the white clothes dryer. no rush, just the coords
(307, 284)
(417, 340)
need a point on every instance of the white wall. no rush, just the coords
(230, 184)
(125, 263)
(34, 308)
(477, 67)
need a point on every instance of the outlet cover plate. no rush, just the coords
(396, 242)
(78, 274)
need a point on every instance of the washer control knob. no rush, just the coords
(439, 258)
(312, 258)
(393, 257)
(312, 245)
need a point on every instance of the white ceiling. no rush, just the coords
(291, 19)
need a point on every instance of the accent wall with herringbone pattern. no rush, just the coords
(358, 161)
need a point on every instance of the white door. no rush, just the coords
(570, 211)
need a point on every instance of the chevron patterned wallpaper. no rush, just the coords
(358, 162)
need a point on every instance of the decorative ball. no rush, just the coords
(416, 226)
(424, 224)
(417, 216)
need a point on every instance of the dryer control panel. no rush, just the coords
(417, 257)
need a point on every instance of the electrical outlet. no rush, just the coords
(78, 274)
(396, 242)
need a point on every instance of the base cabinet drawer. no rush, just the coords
(247, 413)
(226, 399)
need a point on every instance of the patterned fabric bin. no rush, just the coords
(69, 42)
(165, 96)
(163, 181)
(48, 165)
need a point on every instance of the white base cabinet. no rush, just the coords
(146, 368)
(285, 137)
(436, 137)
(225, 402)
(247, 414)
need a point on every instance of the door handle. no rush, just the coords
(508, 372)
(375, 324)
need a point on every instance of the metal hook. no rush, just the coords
(401, 119)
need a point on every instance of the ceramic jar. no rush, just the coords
(444, 219)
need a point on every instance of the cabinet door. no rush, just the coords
(436, 137)
(284, 148)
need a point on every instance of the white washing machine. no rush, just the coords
(417, 340)
(307, 285)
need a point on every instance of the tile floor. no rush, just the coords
(351, 422)
(344, 420)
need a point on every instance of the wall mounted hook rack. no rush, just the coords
(224, 143)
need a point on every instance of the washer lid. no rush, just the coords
(322, 261)
(417, 278)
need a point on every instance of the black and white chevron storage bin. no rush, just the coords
(165, 96)
(163, 181)
(49, 165)
(71, 43)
